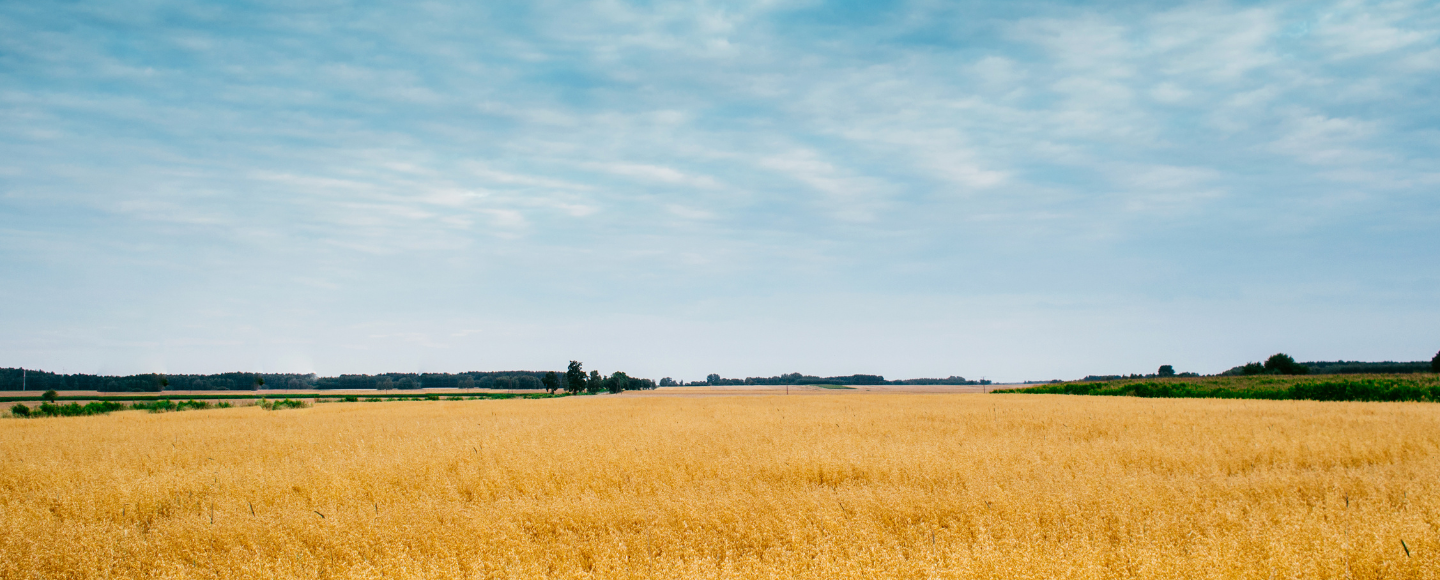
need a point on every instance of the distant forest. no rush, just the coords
(16, 379)
(1341, 367)
(799, 379)
(34, 380)
(1312, 368)
(13, 379)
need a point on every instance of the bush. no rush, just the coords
(155, 406)
(282, 404)
(351, 398)
(70, 410)
(20, 410)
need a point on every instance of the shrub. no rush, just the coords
(155, 406)
(351, 398)
(282, 404)
(192, 405)
(20, 410)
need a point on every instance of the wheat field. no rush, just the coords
(856, 486)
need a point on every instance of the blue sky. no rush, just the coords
(1010, 190)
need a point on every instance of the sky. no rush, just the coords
(1013, 190)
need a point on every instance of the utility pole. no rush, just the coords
(23, 378)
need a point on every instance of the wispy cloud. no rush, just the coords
(494, 165)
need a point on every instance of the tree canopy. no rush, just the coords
(574, 377)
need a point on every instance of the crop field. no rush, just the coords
(857, 485)
(1359, 387)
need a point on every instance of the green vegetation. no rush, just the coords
(168, 405)
(835, 387)
(1339, 367)
(49, 409)
(575, 377)
(282, 404)
(1404, 387)
(249, 396)
(15, 379)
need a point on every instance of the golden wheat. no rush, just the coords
(860, 486)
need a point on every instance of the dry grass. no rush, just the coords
(861, 486)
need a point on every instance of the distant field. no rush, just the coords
(1389, 387)
(331, 394)
(14, 396)
(864, 485)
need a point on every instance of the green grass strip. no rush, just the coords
(272, 395)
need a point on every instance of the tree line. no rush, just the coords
(1283, 364)
(800, 379)
(16, 379)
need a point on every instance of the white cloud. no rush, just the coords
(654, 173)
(1320, 140)
(1357, 29)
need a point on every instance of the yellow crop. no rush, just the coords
(855, 486)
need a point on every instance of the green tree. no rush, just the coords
(574, 377)
(594, 383)
(551, 382)
(1282, 364)
(50, 396)
(1435, 363)
(617, 382)
(20, 410)
(1166, 371)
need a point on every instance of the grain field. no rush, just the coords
(856, 486)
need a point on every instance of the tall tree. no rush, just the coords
(594, 382)
(617, 382)
(1435, 363)
(1282, 364)
(574, 377)
(1166, 371)
(551, 382)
